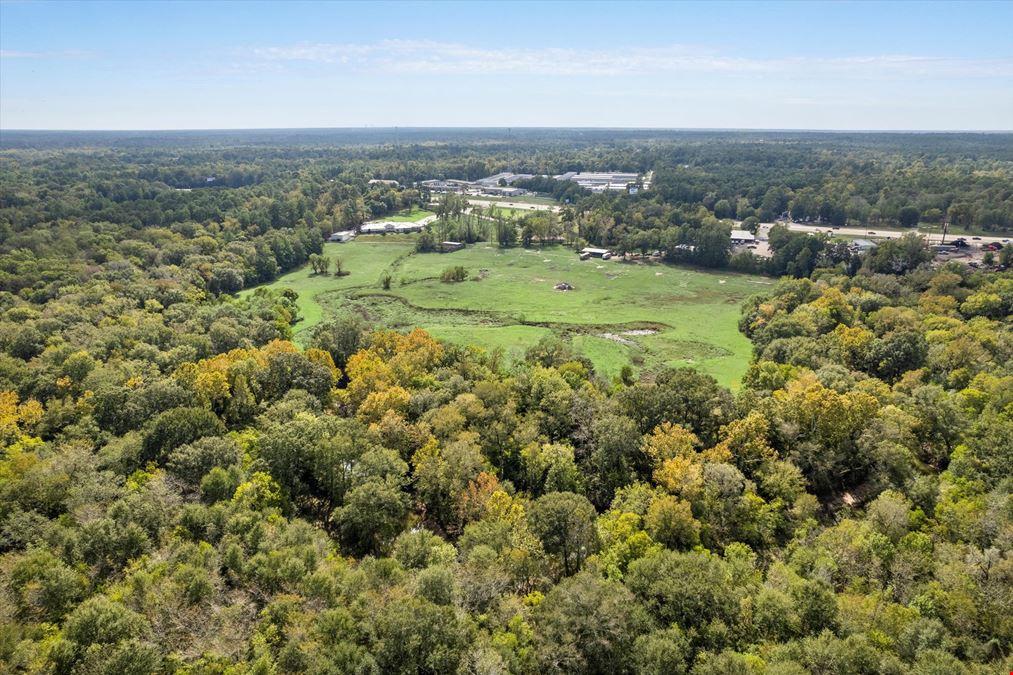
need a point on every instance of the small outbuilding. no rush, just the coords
(743, 237)
(596, 252)
(342, 237)
(863, 245)
(450, 246)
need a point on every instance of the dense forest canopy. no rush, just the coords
(183, 489)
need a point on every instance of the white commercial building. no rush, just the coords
(507, 178)
(391, 227)
(601, 181)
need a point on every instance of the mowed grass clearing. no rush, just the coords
(522, 199)
(365, 259)
(646, 315)
(409, 216)
(508, 213)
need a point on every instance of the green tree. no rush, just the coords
(587, 625)
(177, 427)
(908, 216)
(373, 515)
(565, 524)
(663, 652)
(415, 636)
(670, 521)
(99, 620)
(687, 589)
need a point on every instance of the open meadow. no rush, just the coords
(647, 315)
(412, 215)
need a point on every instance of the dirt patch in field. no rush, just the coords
(620, 339)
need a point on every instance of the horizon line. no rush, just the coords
(503, 128)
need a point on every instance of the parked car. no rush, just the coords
(976, 238)
(871, 232)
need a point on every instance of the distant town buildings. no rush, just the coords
(501, 184)
(503, 179)
(601, 181)
(504, 191)
(449, 185)
(485, 186)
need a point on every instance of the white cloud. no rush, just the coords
(427, 57)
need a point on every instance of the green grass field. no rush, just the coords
(365, 259)
(678, 316)
(406, 216)
(510, 214)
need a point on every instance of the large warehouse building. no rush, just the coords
(601, 181)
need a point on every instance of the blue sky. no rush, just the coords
(791, 65)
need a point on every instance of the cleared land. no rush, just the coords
(515, 203)
(522, 199)
(409, 216)
(648, 315)
(511, 214)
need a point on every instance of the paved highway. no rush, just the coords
(933, 237)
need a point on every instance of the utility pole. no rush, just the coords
(946, 224)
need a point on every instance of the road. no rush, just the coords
(933, 237)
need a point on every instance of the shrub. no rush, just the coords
(454, 274)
